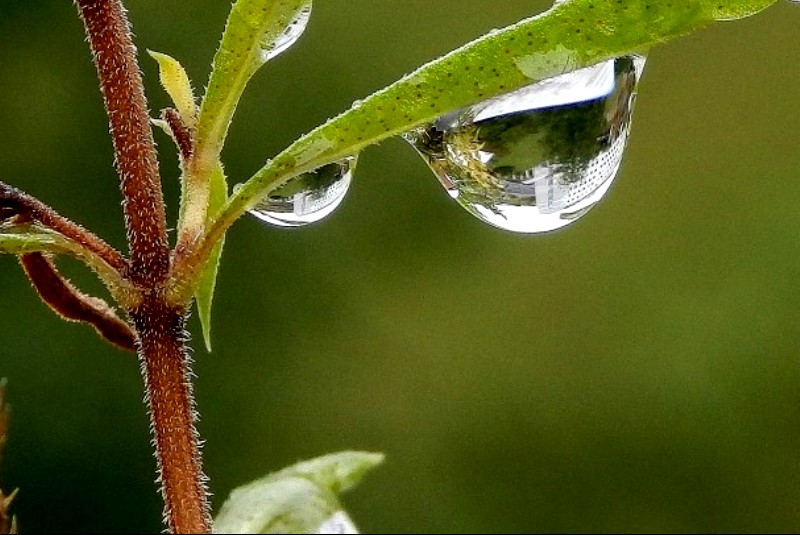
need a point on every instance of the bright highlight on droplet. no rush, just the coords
(538, 158)
(289, 36)
(307, 198)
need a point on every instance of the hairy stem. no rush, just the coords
(161, 338)
(165, 364)
(114, 56)
(15, 203)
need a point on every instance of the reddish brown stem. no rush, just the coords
(15, 203)
(181, 134)
(165, 364)
(160, 331)
(73, 305)
(121, 84)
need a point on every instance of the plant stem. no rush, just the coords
(160, 328)
(19, 204)
(165, 365)
(121, 84)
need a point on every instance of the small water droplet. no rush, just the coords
(290, 35)
(338, 522)
(540, 157)
(309, 197)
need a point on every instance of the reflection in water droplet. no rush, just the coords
(290, 35)
(307, 198)
(538, 158)
(338, 522)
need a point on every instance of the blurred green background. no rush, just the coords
(638, 371)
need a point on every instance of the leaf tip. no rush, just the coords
(176, 83)
(207, 335)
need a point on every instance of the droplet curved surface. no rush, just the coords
(309, 197)
(538, 158)
(290, 35)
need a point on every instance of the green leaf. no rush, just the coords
(571, 35)
(208, 281)
(30, 242)
(176, 82)
(253, 28)
(177, 85)
(253, 33)
(299, 499)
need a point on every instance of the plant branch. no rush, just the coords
(181, 134)
(21, 239)
(160, 329)
(15, 203)
(165, 364)
(114, 57)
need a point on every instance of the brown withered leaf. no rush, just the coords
(72, 304)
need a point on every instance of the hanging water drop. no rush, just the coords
(290, 35)
(309, 197)
(540, 157)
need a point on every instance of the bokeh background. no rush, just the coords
(638, 371)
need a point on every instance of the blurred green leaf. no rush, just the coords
(299, 499)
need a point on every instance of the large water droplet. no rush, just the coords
(538, 158)
(307, 198)
(290, 35)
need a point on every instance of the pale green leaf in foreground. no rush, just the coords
(299, 499)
